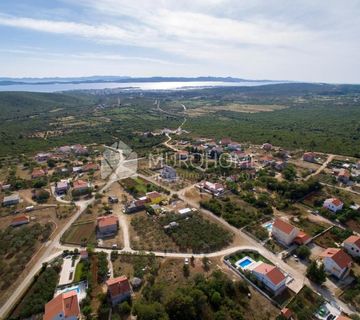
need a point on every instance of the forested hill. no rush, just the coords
(319, 117)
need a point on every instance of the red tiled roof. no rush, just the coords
(107, 221)
(342, 318)
(339, 256)
(302, 238)
(273, 273)
(117, 286)
(66, 303)
(80, 184)
(153, 195)
(19, 219)
(283, 226)
(309, 154)
(183, 153)
(286, 312)
(353, 240)
(344, 173)
(335, 201)
(89, 166)
(38, 173)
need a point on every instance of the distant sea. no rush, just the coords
(55, 87)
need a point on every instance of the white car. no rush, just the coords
(186, 261)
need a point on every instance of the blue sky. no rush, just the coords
(305, 40)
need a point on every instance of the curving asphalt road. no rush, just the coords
(55, 248)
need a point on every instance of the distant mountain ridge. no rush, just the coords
(6, 81)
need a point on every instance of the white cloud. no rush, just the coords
(301, 39)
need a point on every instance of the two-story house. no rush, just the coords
(352, 246)
(336, 262)
(63, 307)
(270, 276)
(284, 232)
(118, 290)
(107, 226)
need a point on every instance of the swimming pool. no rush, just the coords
(244, 263)
(77, 289)
(268, 226)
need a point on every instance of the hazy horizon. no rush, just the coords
(305, 41)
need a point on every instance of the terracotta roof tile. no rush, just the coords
(117, 286)
(339, 256)
(80, 184)
(105, 221)
(67, 303)
(353, 240)
(273, 273)
(286, 312)
(283, 226)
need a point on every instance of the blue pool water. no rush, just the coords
(77, 289)
(243, 264)
(268, 226)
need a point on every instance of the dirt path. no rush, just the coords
(323, 166)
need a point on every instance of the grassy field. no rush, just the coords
(310, 227)
(149, 235)
(80, 233)
(332, 238)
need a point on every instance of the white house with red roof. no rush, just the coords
(344, 176)
(214, 188)
(336, 262)
(284, 232)
(352, 246)
(63, 307)
(271, 276)
(333, 204)
(107, 226)
(118, 289)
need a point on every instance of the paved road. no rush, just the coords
(54, 245)
(298, 277)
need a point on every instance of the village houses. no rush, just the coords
(333, 204)
(64, 306)
(352, 245)
(118, 290)
(336, 262)
(270, 276)
(107, 226)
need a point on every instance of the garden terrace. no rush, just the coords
(333, 237)
(196, 234)
(306, 304)
(232, 212)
